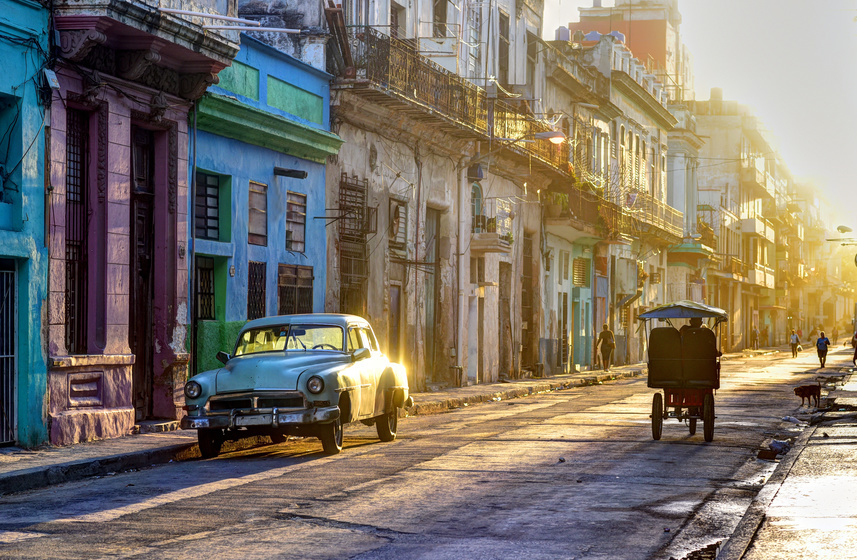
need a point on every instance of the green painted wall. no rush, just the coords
(211, 338)
(295, 100)
(241, 79)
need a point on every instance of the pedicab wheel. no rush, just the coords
(692, 426)
(708, 417)
(657, 416)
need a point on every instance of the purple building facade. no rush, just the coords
(118, 168)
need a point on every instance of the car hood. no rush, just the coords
(273, 370)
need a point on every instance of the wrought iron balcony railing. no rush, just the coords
(654, 212)
(395, 67)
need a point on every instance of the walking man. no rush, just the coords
(821, 345)
(794, 340)
(854, 345)
(608, 343)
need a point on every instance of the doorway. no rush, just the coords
(140, 334)
(393, 348)
(8, 343)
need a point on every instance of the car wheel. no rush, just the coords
(278, 437)
(210, 442)
(387, 424)
(331, 437)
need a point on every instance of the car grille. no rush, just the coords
(245, 401)
(281, 402)
(227, 404)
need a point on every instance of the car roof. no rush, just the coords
(339, 319)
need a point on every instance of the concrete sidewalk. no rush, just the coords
(806, 508)
(25, 469)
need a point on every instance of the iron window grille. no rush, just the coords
(295, 222)
(205, 288)
(294, 287)
(207, 206)
(76, 219)
(258, 219)
(255, 290)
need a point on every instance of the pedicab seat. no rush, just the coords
(699, 358)
(665, 369)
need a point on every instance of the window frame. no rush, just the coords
(296, 221)
(257, 237)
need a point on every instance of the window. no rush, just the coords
(580, 272)
(294, 289)
(258, 221)
(477, 270)
(367, 339)
(532, 58)
(255, 290)
(565, 259)
(295, 222)
(353, 340)
(503, 51)
(398, 225)
(205, 288)
(76, 219)
(397, 21)
(474, 38)
(207, 206)
(479, 224)
(440, 18)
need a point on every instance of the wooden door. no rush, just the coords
(141, 268)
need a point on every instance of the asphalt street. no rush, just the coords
(569, 474)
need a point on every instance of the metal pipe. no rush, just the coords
(265, 29)
(211, 16)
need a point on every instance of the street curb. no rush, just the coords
(743, 534)
(40, 477)
(439, 406)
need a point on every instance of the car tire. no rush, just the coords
(210, 442)
(387, 424)
(278, 437)
(331, 437)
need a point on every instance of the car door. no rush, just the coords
(370, 371)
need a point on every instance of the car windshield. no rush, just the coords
(290, 337)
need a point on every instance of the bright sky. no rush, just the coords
(793, 62)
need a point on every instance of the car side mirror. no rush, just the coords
(223, 357)
(360, 354)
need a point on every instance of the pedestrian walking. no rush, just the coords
(835, 335)
(854, 346)
(754, 338)
(765, 337)
(607, 342)
(794, 340)
(821, 345)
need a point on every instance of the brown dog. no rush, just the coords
(808, 392)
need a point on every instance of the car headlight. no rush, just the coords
(192, 389)
(315, 385)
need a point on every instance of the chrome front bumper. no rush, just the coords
(240, 418)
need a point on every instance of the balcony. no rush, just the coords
(390, 71)
(761, 276)
(756, 179)
(492, 227)
(649, 212)
(758, 226)
(579, 214)
(734, 265)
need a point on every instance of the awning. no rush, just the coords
(685, 309)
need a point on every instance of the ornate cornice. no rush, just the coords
(193, 86)
(131, 65)
(75, 44)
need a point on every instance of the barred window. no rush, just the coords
(258, 223)
(76, 219)
(295, 222)
(205, 288)
(294, 287)
(255, 290)
(207, 206)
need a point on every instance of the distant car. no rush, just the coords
(297, 375)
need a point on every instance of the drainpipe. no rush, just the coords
(191, 263)
(462, 297)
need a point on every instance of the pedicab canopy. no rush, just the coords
(685, 309)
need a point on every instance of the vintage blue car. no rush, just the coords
(297, 375)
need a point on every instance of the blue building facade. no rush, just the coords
(24, 197)
(258, 150)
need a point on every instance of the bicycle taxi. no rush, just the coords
(685, 364)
